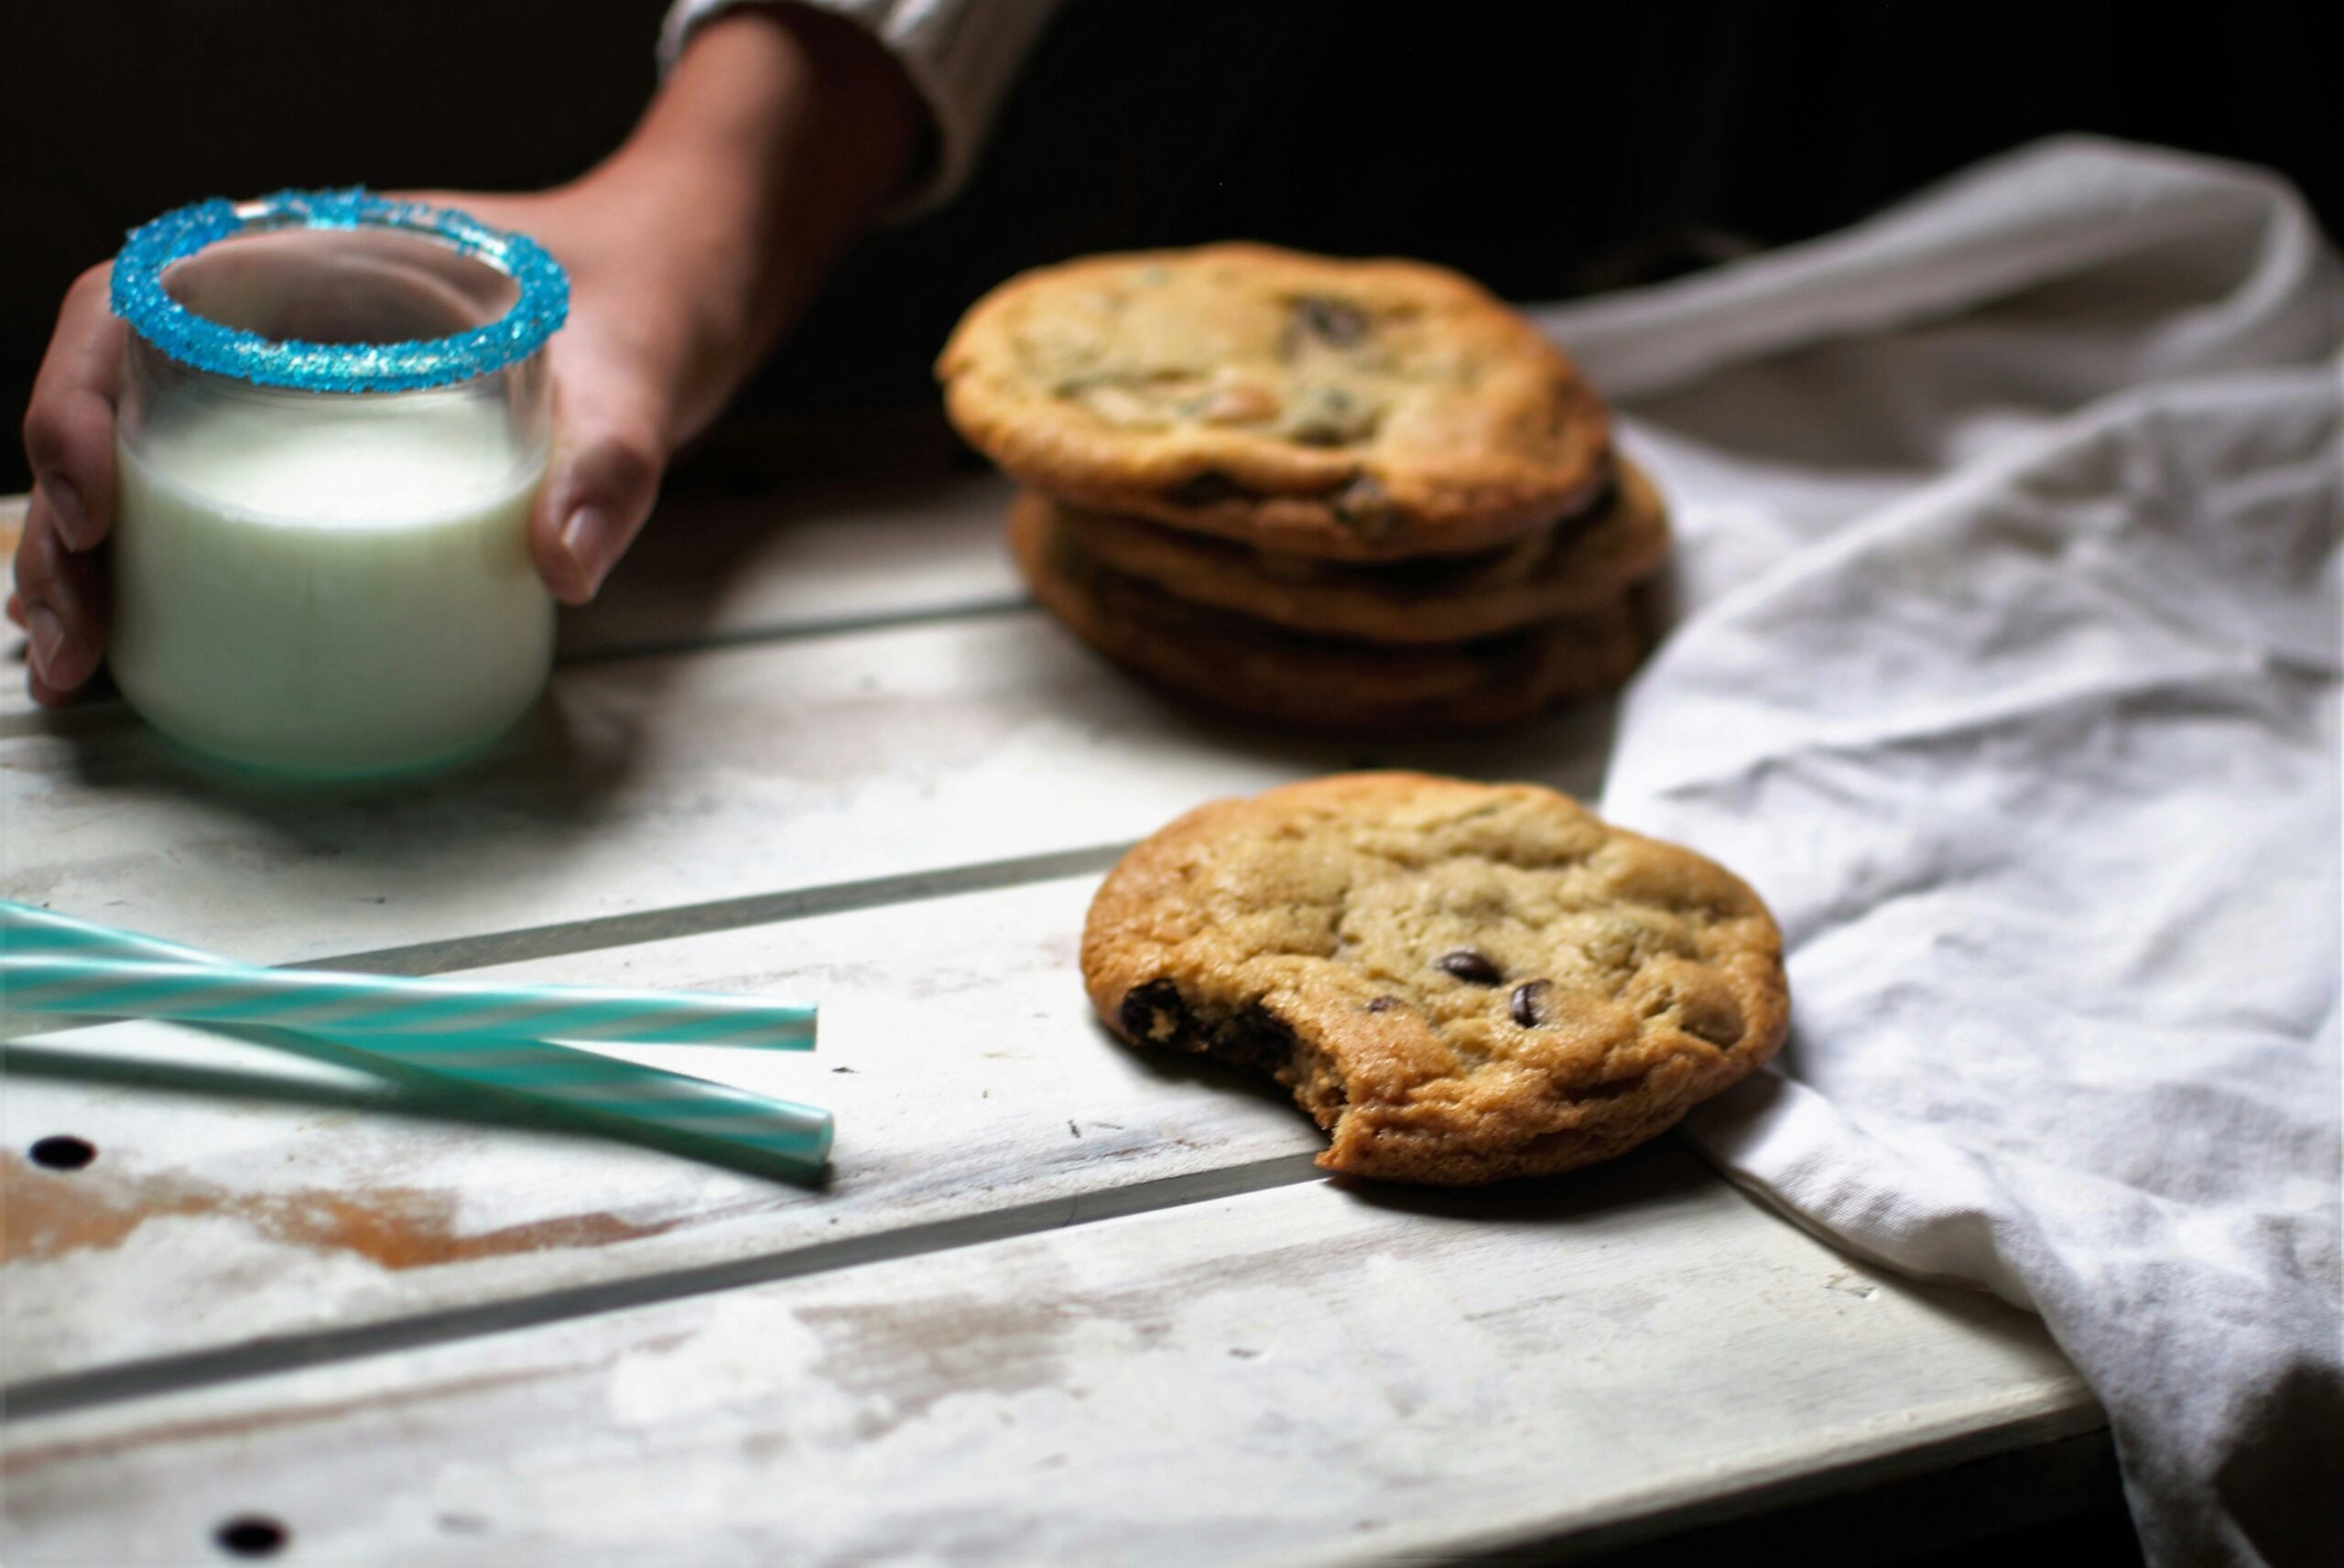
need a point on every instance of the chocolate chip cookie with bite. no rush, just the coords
(1460, 982)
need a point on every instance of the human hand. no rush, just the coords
(60, 592)
(688, 251)
(615, 379)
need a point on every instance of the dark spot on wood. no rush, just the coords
(251, 1535)
(62, 1152)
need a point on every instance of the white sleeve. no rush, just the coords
(960, 55)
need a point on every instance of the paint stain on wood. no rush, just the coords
(47, 1217)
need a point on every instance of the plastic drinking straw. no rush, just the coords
(622, 1097)
(447, 1015)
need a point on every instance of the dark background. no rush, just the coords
(1548, 148)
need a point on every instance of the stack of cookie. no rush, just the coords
(1309, 491)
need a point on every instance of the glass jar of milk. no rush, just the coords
(334, 423)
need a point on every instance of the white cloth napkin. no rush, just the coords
(2007, 668)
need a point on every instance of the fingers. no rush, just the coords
(61, 593)
(69, 424)
(61, 600)
(69, 440)
(605, 476)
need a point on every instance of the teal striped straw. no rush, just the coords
(643, 1104)
(451, 1016)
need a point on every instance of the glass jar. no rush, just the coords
(334, 423)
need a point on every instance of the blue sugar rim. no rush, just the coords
(139, 299)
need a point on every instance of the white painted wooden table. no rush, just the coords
(1056, 1303)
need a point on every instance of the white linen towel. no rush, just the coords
(2006, 668)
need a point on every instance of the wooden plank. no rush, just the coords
(1309, 1374)
(644, 784)
(710, 568)
(238, 1194)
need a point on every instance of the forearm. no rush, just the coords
(775, 140)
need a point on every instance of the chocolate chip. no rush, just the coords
(1156, 1013)
(1207, 489)
(1334, 321)
(1529, 1003)
(1474, 968)
(1384, 1004)
(1260, 1038)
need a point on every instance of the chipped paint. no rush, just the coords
(246, 1423)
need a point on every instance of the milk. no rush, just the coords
(329, 584)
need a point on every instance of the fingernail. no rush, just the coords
(65, 507)
(48, 634)
(585, 540)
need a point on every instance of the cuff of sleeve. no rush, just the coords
(959, 54)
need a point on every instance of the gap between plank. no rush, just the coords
(838, 626)
(569, 936)
(109, 712)
(71, 1392)
(598, 933)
